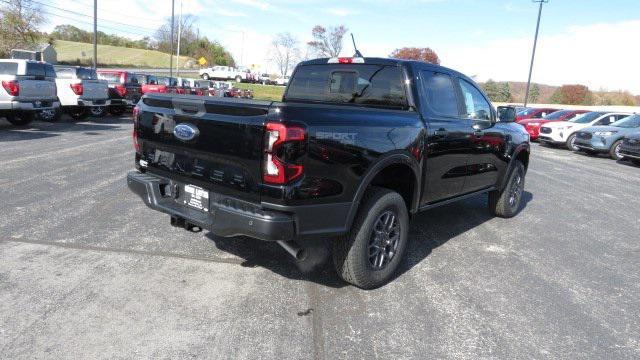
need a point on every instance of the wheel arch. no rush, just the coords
(521, 153)
(378, 175)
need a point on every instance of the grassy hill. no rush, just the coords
(82, 53)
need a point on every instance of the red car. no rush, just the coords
(533, 125)
(534, 113)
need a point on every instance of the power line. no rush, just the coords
(102, 10)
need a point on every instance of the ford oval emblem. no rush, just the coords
(185, 132)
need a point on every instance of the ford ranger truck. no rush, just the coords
(356, 147)
(27, 88)
(80, 92)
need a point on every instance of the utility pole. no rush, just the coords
(173, 3)
(95, 34)
(242, 50)
(179, 35)
(533, 54)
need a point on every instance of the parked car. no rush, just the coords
(124, 89)
(144, 79)
(80, 92)
(534, 113)
(564, 132)
(282, 81)
(351, 152)
(607, 139)
(533, 125)
(27, 88)
(265, 79)
(630, 147)
(225, 73)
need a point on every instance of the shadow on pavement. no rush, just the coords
(428, 230)
(40, 129)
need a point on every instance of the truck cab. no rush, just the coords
(27, 88)
(124, 89)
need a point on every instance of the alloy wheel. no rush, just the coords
(384, 240)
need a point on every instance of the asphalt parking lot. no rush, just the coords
(87, 271)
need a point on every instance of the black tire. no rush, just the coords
(116, 110)
(52, 115)
(21, 119)
(614, 152)
(352, 255)
(98, 111)
(636, 161)
(238, 79)
(571, 143)
(79, 113)
(205, 76)
(506, 203)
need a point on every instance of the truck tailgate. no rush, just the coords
(224, 156)
(95, 90)
(31, 89)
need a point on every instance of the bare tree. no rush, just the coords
(284, 52)
(19, 22)
(327, 42)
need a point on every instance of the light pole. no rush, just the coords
(173, 3)
(179, 36)
(95, 34)
(533, 54)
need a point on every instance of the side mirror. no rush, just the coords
(506, 113)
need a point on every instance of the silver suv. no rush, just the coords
(27, 88)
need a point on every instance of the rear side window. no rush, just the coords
(8, 68)
(64, 73)
(440, 93)
(359, 84)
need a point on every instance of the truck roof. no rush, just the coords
(392, 62)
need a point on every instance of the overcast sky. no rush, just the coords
(596, 43)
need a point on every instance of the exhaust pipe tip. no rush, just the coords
(302, 255)
(294, 249)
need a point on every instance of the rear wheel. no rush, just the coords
(51, 115)
(506, 203)
(116, 110)
(371, 252)
(571, 143)
(21, 119)
(238, 79)
(636, 161)
(614, 152)
(205, 76)
(98, 111)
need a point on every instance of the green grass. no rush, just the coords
(72, 53)
(264, 92)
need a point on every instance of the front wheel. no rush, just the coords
(205, 76)
(51, 115)
(98, 111)
(79, 113)
(238, 79)
(506, 203)
(116, 110)
(371, 252)
(21, 119)
(614, 152)
(571, 143)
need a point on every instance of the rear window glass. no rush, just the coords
(87, 74)
(40, 70)
(368, 85)
(110, 77)
(8, 68)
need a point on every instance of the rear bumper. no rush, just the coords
(29, 105)
(92, 103)
(227, 216)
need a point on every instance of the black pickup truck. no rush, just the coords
(354, 149)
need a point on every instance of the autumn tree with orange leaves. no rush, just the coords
(414, 53)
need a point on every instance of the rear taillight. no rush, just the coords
(283, 145)
(12, 87)
(135, 116)
(122, 91)
(77, 89)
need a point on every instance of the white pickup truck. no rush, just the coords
(227, 73)
(27, 87)
(80, 92)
